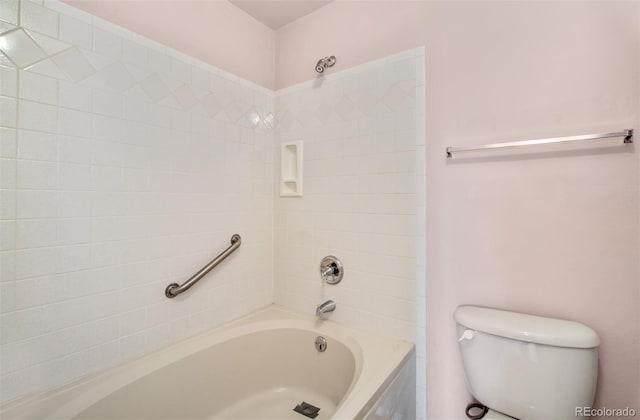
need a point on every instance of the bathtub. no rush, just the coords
(256, 367)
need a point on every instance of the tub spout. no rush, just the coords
(328, 306)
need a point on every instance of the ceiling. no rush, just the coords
(277, 13)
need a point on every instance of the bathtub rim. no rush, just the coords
(371, 377)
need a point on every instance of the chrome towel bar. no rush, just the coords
(174, 289)
(626, 134)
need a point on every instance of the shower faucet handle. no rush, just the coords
(331, 270)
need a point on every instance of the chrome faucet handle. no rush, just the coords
(331, 270)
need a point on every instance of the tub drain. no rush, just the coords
(307, 409)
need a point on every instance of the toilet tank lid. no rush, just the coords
(529, 328)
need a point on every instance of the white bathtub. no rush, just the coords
(257, 367)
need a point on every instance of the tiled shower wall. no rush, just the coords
(363, 136)
(125, 166)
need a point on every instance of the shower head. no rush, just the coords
(324, 63)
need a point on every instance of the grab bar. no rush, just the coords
(174, 289)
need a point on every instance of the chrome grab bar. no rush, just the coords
(174, 289)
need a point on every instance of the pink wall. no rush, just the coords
(553, 234)
(215, 32)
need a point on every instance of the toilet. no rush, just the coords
(527, 367)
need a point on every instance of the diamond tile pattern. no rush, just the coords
(21, 48)
(4, 61)
(48, 56)
(117, 77)
(154, 87)
(73, 63)
(185, 96)
(49, 45)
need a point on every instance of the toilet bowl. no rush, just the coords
(527, 367)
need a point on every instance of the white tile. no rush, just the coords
(75, 123)
(106, 43)
(8, 172)
(74, 96)
(4, 60)
(117, 77)
(8, 203)
(35, 262)
(98, 61)
(66, 9)
(76, 32)
(404, 70)
(134, 53)
(108, 128)
(388, 224)
(73, 258)
(74, 64)
(200, 81)
(38, 18)
(21, 325)
(48, 68)
(35, 87)
(185, 97)
(20, 48)
(39, 117)
(36, 233)
(107, 153)
(133, 321)
(154, 87)
(37, 145)
(180, 70)
(104, 254)
(9, 11)
(107, 104)
(73, 231)
(405, 140)
(102, 331)
(8, 81)
(16, 356)
(37, 175)
(36, 204)
(8, 142)
(387, 244)
(74, 204)
(48, 44)
(7, 264)
(74, 177)
(107, 178)
(160, 62)
(135, 156)
(9, 114)
(132, 345)
(390, 183)
(74, 149)
(7, 243)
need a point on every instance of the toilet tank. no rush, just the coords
(526, 366)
